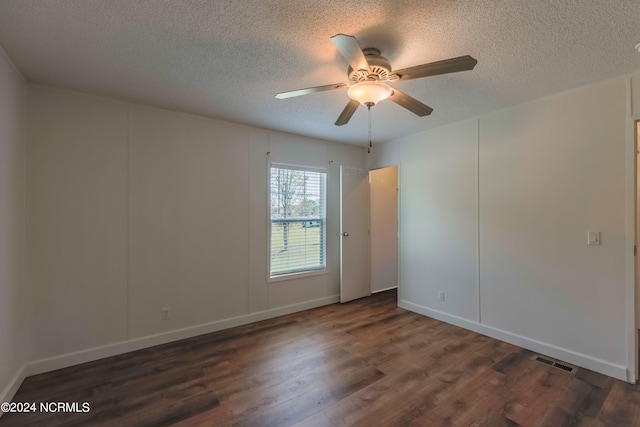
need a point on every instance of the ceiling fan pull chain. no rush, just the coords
(369, 116)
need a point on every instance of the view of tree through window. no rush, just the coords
(297, 220)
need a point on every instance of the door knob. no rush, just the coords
(345, 234)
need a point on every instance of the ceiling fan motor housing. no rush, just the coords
(379, 68)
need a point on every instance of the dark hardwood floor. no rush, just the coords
(365, 363)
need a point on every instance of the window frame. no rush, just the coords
(302, 273)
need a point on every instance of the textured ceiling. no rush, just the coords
(227, 59)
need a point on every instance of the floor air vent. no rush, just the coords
(553, 363)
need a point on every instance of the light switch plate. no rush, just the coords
(593, 237)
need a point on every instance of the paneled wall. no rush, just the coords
(495, 214)
(133, 209)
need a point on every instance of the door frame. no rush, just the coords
(631, 213)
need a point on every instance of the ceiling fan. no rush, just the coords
(367, 73)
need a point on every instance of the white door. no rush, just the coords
(354, 231)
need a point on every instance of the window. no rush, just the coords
(298, 220)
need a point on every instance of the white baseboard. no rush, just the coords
(385, 289)
(13, 386)
(89, 355)
(579, 359)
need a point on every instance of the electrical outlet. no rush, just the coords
(164, 313)
(441, 296)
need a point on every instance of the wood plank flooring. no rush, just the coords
(365, 363)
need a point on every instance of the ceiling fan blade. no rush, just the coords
(410, 103)
(350, 49)
(307, 91)
(348, 111)
(453, 65)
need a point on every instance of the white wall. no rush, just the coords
(383, 224)
(495, 213)
(438, 214)
(189, 210)
(77, 221)
(135, 208)
(549, 172)
(13, 293)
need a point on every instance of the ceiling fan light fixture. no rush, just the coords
(369, 92)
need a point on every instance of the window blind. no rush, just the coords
(298, 220)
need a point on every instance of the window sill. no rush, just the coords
(293, 276)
